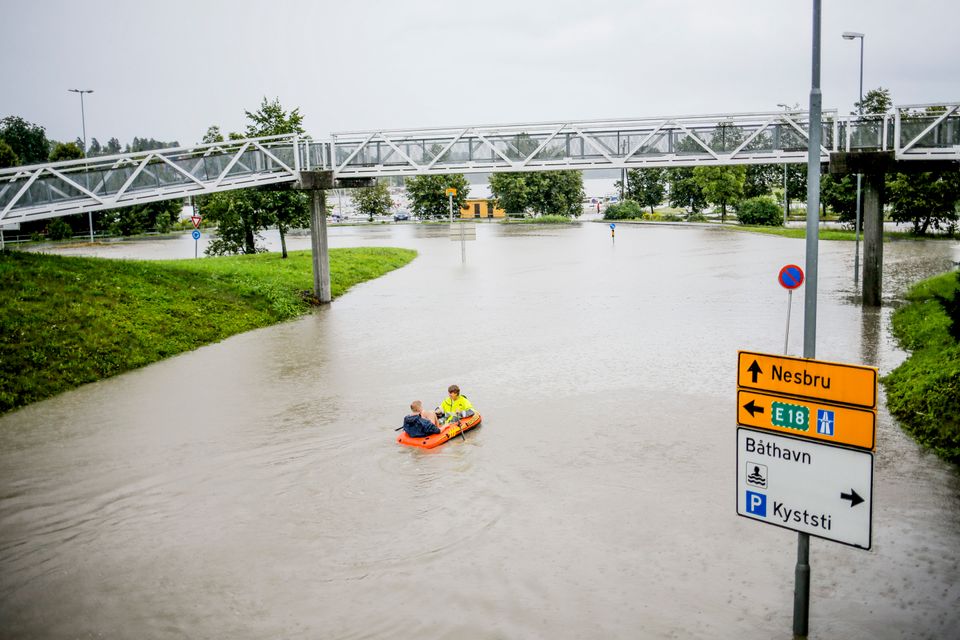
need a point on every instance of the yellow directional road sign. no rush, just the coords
(810, 419)
(833, 382)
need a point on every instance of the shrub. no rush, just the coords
(59, 230)
(626, 210)
(762, 210)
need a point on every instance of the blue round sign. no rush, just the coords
(791, 276)
(613, 226)
(196, 234)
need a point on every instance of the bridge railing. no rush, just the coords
(774, 137)
(927, 131)
(911, 132)
(62, 188)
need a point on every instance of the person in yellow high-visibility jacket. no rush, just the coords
(454, 406)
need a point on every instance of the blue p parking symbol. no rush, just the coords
(756, 504)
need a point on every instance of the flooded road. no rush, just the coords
(253, 488)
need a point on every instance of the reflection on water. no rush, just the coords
(253, 488)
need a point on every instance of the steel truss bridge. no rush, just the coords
(77, 186)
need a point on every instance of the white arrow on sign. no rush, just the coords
(804, 485)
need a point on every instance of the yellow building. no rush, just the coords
(481, 208)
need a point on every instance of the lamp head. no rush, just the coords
(852, 35)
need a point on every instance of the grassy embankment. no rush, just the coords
(69, 321)
(831, 234)
(550, 219)
(924, 392)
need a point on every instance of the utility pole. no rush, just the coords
(853, 35)
(83, 123)
(801, 594)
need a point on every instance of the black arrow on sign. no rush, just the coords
(753, 408)
(853, 497)
(755, 370)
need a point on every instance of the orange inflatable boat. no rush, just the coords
(449, 432)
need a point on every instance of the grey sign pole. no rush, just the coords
(801, 594)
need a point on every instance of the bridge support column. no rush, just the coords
(318, 245)
(872, 239)
(315, 182)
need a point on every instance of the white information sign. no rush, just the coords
(820, 489)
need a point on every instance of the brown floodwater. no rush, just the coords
(253, 489)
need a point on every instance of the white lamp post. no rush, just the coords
(853, 35)
(83, 123)
(785, 208)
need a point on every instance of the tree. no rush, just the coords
(271, 120)
(290, 210)
(556, 192)
(876, 102)
(28, 141)
(8, 157)
(241, 215)
(761, 210)
(647, 187)
(685, 192)
(94, 149)
(148, 144)
(373, 201)
(544, 193)
(840, 194)
(65, 151)
(721, 185)
(113, 147)
(511, 191)
(925, 199)
(796, 183)
(761, 178)
(238, 221)
(137, 219)
(428, 198)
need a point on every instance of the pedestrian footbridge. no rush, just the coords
(77, 186)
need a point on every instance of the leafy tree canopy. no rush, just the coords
(428, 198)
(373, 201)
(28, 141)
(8, 158)
(242, 215)
(65, 151)
(544, 193)
(646, 187)
(721, 185)
(925, 199)
(271, 120)
(877, 101)
(685, 192)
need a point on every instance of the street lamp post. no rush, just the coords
(83, 123)
(785, 201)
(853, 35)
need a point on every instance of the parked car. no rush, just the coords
(401, 215)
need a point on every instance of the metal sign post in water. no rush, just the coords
(791, 277)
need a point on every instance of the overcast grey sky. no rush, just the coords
(170, 69)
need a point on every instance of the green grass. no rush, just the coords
(924, 392)
(829, 234)
(69, 321)
(541, 220)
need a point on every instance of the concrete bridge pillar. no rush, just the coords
(315, 182)
(318, 245)
(872, 239)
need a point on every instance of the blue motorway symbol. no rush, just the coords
(195, 234)
(825, 422)
(756, 504)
